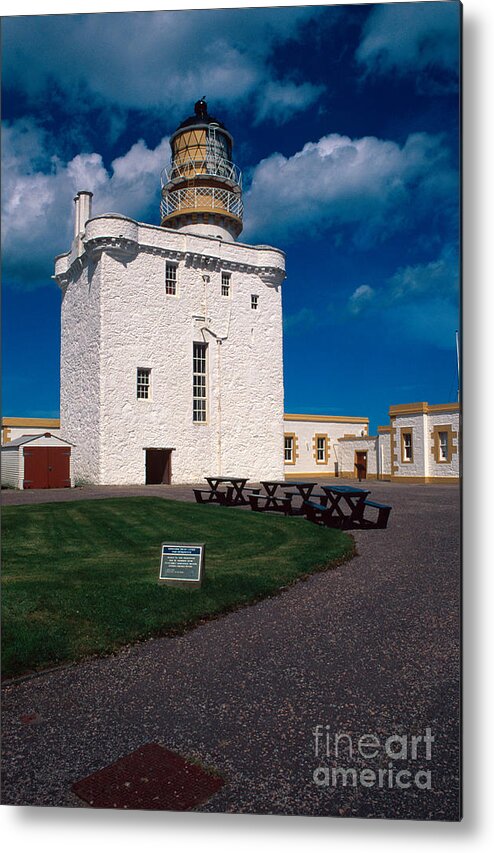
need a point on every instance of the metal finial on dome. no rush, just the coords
(201, 108)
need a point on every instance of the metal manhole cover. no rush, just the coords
(152, 777)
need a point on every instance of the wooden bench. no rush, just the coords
(234, 500)
(316, 512)
(212, 496)
(276, 504)
(383, 513)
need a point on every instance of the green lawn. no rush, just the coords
(81, 578)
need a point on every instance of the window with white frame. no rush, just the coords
(225, 283)
(170, 279)
(321, 449)
(407, 446)
(288, 448)
(199, 388)
(143, 383)
(443, 446)
(254, 302)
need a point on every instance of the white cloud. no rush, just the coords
(38, 191)
(374, 185)
(410, 37)
(361, 298)
(302, 320)
(438, 278)
(279, 101)
(419, 302)
(157, 60)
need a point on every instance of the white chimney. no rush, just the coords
(76, 216)
(83, 205)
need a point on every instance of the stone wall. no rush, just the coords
(125, 320)
(305, 429)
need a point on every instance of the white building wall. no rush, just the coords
(348, 448)
(305, 429)
(13, 428)
(131, 322)
(420, 419)
(416, 424)
(10, 467)
(448, 422)
(384, 453)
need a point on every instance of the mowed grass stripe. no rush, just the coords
(81, 578)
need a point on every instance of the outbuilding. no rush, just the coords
(37, 462)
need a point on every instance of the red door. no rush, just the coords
(158, 465)
(46, 467)
(59, 467)
(361, 464)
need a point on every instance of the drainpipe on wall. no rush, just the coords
(219, 341)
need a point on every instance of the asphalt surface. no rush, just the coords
(369, 648)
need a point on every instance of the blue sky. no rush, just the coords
(345, 120)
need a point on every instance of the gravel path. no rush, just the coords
(369, 648)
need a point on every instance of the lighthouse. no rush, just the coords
(171, 351)
(201, 190)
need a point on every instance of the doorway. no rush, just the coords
(47, 468)
(361, 464)
(158, 466)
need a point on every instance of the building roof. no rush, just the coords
(31, 422)
(25, 439)
(201, 116)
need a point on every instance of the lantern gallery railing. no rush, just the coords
(201, 198)
(209, 166)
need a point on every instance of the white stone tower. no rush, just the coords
(171, 360)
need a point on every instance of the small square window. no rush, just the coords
(143, 383)
(170, 279)
(225, 283)
(254, 302)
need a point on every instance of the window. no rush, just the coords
(143, 383)
(406, 447)
(443, 447)
(225, 283)
(320, 448)
(170, 279)
(291, 448)
(199, 383)
(254, 302)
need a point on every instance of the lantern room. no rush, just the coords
(201, 189)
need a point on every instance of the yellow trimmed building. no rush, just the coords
(420, 445)
(13, 428)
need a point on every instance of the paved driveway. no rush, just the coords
(369, 648)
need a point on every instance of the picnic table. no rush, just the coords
(335, 499)
(332, 503)
(235, 488)
(273, 500)
(233, 496)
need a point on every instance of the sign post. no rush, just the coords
(182, 564)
